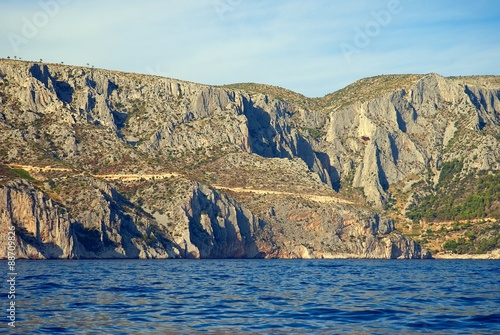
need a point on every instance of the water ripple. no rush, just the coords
(257, 297)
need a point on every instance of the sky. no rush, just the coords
(313, 47)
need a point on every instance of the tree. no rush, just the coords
(8, 57)
(41, 60)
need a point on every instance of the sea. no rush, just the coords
(253, 297)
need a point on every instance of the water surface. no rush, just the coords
(256, 297)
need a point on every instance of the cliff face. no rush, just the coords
(46, 229)
(219, 227)
(406, 132)
(207, 225)
(43, 228)
(128, 165)
(101, 223)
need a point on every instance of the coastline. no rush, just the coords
(492, 255)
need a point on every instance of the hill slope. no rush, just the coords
(100, 163)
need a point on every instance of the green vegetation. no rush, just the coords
(491, 81)
(459, 198)
(449, 170)
(119, 106)
(315, 133)
(477, 236)
(138, 109)
(472, 244)
(17, 173)
(149, 238)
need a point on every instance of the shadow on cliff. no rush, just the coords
(96, 241)
(274, 140)
(63, 90)
(219, 234)
(331, 170)
(262, 135)
(48, 250)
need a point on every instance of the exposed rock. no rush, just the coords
(336, 231)
(43, 228)
(304, 178)
(404, 133)
(219, 227)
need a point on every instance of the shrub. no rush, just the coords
(23, 174)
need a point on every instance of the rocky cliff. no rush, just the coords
(100, 164)
(98, 222)
(42, 227)
(407, 131)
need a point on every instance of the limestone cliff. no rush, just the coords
(405, 132)
(43, 228)
(128, 165)
(98, 222)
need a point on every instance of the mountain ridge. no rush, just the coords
(223, 142)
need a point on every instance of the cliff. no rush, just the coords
(100, 164)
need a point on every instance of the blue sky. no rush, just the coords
(313, 47)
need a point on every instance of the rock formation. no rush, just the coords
(104, 164)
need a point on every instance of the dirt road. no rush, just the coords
(133, 177)
(313, 197)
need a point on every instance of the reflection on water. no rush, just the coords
(256, 297)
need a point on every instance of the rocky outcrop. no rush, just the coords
(370, 145)
(403, 133)
(218, 227)
(159, 115)
(100, 223)
(43, 228)
(99, 122)
(335, 231)
(107, 225)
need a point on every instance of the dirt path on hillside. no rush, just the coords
(38, 168)
(134, 177)
(313, 197)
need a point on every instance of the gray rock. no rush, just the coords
(95, 120)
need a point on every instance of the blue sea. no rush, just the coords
(254, 297)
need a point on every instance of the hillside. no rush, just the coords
(99, 164)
